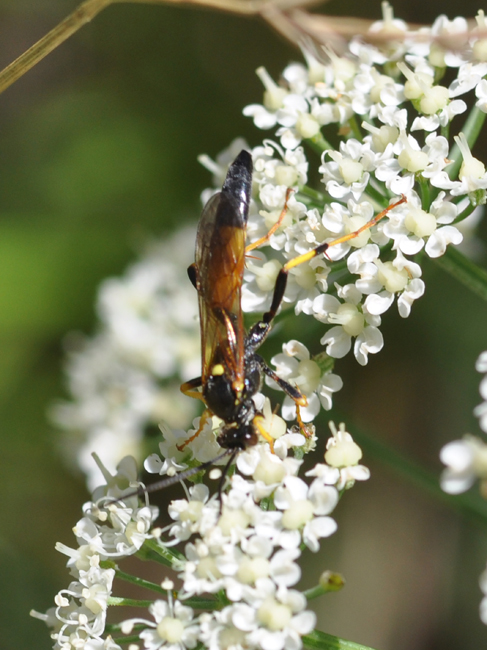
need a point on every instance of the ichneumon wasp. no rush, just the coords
(232, 370)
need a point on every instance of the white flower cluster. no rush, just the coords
(240, 556)
(242, 544)
(391, 115)
(109, 529)
(466, 459)
(466, 462)
(127, 376)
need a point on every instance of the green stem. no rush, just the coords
(464, 270)
(133, 638)
(115, 601)
(355, 128)
(377, 197)
(381, 190)
(466, 213)
(445, 131)
(320, 143)
(471, 129)
(112, 628)
(322, 641)
(140, 582)
(319, 197)
(424, 188)
(152, 550)
(334, 582)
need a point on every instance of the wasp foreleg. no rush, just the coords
(206, 415)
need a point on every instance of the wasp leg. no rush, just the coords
(281, 281)
(189, 388)
(258, 422)
(293, 392)
(272, 230)
(193, 275)
(206, 415)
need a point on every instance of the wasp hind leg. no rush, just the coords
(190, 388)
(281, 282)
(294, 393)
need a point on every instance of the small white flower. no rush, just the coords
(348, 171)
(483, 602)
(344, 454)
(295, 365)
(472, 174)
(305, 508)
(188, 513)
(274, 619)
(466, 461)
(353, 321)
(173, 627)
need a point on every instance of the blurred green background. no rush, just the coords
(98, 149)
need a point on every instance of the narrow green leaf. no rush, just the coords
(115, 601)
(152, 550)
(198, 602)
(140, 582)
(464, 270)
(322, 641)
(469, 504)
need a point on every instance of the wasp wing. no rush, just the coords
(220, 261)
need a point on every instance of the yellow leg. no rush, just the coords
(258, 421)
(190, 388)
(322, 248)
(207, 415)
(302, 426)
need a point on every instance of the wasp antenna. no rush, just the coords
(172, 480)
(221, 484)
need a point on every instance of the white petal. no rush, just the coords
(323, 526)
(263, 119)
(377, 304)
(272, 640)
(323, 497)
(304, 622)
(458, 455)
(454, 483)
(153, 464)
(439, 240)
(337, 341)
(371, 340)
(243, 617)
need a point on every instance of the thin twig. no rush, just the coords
(91, 8)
